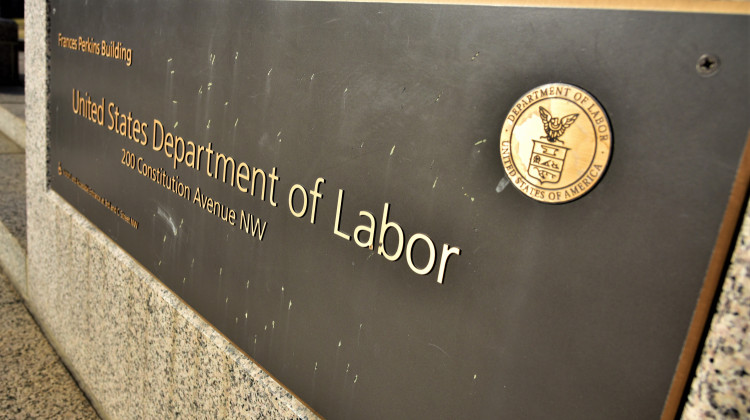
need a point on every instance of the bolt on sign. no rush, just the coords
(329, 185)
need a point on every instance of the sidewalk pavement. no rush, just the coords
(34, 383)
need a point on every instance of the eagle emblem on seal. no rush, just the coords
(554, 126)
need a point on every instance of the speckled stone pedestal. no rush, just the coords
(135, 348)
(140, 352)
(721, 387)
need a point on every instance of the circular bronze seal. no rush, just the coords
(555, 143)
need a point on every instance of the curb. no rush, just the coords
(13, 127)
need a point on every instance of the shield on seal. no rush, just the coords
(547, 160)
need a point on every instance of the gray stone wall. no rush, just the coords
(721, 387)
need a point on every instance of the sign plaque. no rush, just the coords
(321, 182)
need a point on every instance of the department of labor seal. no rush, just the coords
(555, 143)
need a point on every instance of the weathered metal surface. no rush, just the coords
(576, 310)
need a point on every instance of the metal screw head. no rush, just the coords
(707, 65)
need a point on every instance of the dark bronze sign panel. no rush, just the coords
(323, 183)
